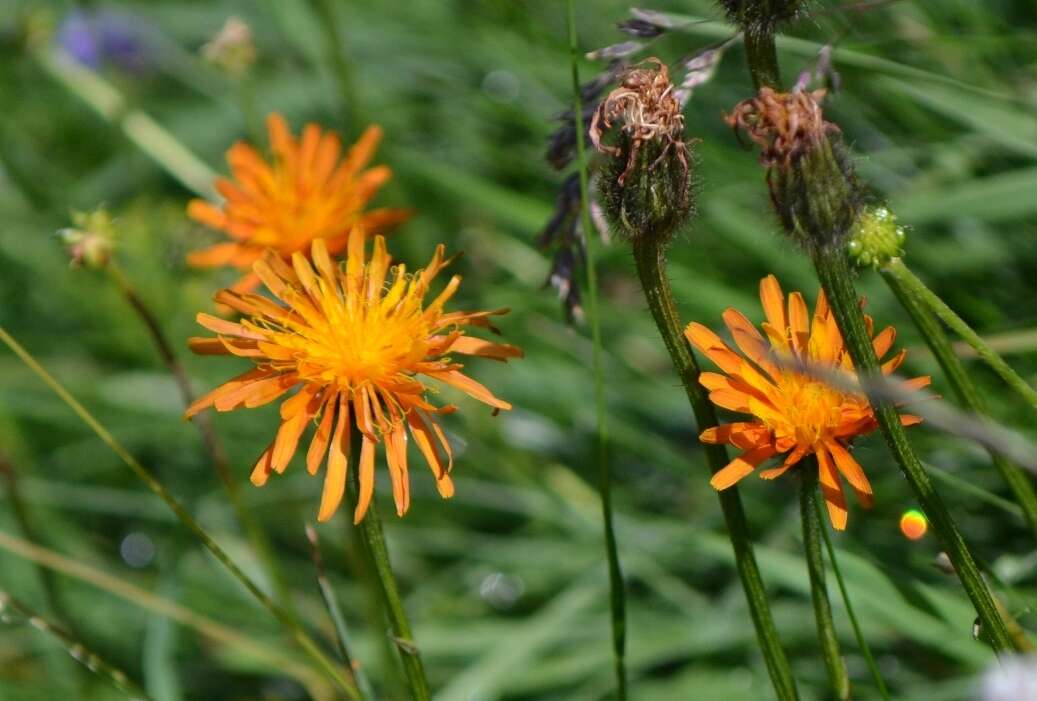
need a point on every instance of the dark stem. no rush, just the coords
(835, 275)
(967, 393)
(378, 553)
(650, 259)
(617, 593)
(809, 501)
(762, 55)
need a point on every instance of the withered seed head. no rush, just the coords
(812, 182)
(646, 184)
(761, 15)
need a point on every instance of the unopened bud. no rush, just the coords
(232, 49)
(813, 185)
(876, 239)
(89, 242)
(646, 182)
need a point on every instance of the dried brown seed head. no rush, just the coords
(785, 125)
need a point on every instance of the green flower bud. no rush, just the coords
(89, 242)
(876, 239)
(645, 183)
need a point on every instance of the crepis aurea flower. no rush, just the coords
(358, 341)
(813, 186)
(795, 412)
(646, 182)
(308, 192)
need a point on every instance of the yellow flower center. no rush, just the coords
(806, 408)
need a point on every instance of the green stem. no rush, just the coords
(961, 383)
(301, 637)
(913, 286)
(210, 439)
(835, 275)
(617, 593)
(862, 643)
(374, 541)
(809, 508)
(75, 648)
(762, 56)
(651, 267)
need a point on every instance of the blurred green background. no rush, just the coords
(506, 584)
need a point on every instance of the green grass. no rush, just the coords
(506, 584)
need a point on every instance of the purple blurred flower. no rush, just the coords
(104, 37)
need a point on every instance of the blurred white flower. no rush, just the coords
(1010, 679)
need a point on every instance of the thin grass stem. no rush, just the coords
(291, 625)
(650, 259)
(617, 590)
(79, 652)
(210, 439)
(862, 643)
(913, 286)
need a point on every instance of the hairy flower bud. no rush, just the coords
(813, 186)
(646, 182)
(876, 239)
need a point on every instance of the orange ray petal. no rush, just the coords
(791, 460)
(338, 464)
(740, 467)
(773, 300)
(262, 468)
(366, 479)
(713, 347)
(852, 471)
(832, 490)
(318, 449)
(471, 388)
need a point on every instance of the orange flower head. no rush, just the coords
(307, 193)
(794, 414)
(358, 341)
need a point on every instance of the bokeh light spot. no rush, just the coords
(913, 524)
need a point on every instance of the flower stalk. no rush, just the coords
(617, 593)
(377, 553)
(650, 259)
(834, 271)
(913, 285)
(969, 396)
(809, 507)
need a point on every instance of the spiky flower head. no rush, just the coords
(359, 343)
(877, 238)
(306, 193)
(813, 185)
(779, 379)
(90, 239)
(645, 186)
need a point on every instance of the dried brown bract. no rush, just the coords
(785, 125)
(645, 105)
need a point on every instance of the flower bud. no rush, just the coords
(876, 238)
(89, 243)
(232, 49)
(813, 185)
(646, 181)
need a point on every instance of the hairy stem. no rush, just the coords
(617, 593)
(809, 502)
(961, 383)
(329, 668)
(650, 259)
(834, 272)
(378, 554)
(913, 286)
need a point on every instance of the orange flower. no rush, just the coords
(358, 342)
(304, 195)
(794, 414)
